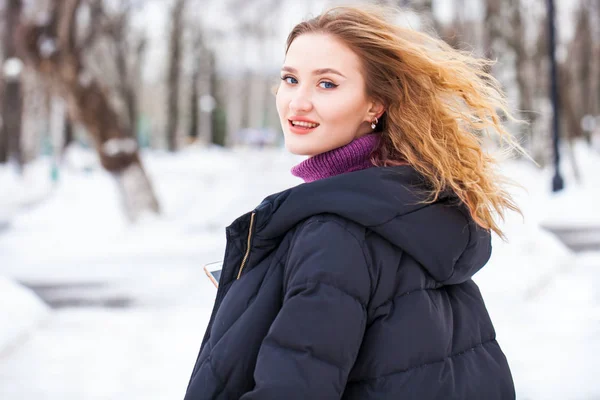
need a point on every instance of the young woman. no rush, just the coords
(357, 284)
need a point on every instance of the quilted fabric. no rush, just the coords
(353, 288)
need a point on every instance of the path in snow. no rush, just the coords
(143, 350)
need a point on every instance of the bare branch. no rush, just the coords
(96, 15)
(67, 28)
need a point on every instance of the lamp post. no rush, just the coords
(557, 180)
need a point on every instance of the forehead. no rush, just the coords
(316, 50)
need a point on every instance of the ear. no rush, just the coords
(376, 110)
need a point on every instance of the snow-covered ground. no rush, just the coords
(21, 312)
(133, 299)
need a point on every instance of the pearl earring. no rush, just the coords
(374, 123)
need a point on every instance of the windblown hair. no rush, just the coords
(439, 105)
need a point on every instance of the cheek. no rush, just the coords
(345, 111)
(281, 103)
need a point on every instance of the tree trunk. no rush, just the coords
(583, 48)
(127, 90)
(194, 102)
(596, 23)
(523, 76)
(136, 189)
(69, 138)
(117, 149)
(425, 10)
(3, 138)
(174, 72)
(130, 81)
(12, 100)
(88, 103)
(492, 22)
(198, 117)
(246, 93)
(12, 112)
(218, 116)
(567, 109)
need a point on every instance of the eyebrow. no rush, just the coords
(320, 71)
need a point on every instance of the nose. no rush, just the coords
(300, 102)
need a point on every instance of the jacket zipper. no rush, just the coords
(245, 259)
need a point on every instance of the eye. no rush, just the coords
(327, 85)
(289, 79)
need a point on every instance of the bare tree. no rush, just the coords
(197, 53)
(424, 9)
(582, 52)
(116, 53)
(594, 6)
(129, 52)
(505, 39)
(200, 84)
(524, 78)
(218, 123)
(575, 83)
(68, 134)
(254, 29)
(55, 49)
(174, 73)
(493, 23)
(12, 101)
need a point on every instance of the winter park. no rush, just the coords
(133, 132)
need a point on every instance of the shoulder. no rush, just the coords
(331, 231)
(330, 250)
(335, 225)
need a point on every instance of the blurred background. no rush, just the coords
(133, 131)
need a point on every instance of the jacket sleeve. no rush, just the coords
(314, 340)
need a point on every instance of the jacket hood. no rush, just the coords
(441, 236)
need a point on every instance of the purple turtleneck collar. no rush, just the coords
(352, 157)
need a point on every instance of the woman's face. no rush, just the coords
(321, 100)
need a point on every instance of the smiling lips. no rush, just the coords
(302, 126)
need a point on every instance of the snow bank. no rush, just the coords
(21, 311)
(577, 205)
(21, 191)
(541, 296)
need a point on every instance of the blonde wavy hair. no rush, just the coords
(439, 105)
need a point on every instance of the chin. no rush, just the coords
(311, 145)
(301, 146)
(301, 150)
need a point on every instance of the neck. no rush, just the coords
(354, 156)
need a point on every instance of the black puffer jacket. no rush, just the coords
(350, 287)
